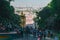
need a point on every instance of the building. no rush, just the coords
(28, 12)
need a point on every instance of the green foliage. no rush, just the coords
(7, 15)
(50, 16)
(56, 8)
(44, 14)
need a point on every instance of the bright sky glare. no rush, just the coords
(30, 3)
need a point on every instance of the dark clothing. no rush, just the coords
(40, 34)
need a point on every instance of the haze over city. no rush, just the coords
(35, 4)
(30, 3)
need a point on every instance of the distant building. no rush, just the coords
(28, 13)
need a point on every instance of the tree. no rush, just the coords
(7, 16)
(55, 4)
(50, 16)
(43, 14)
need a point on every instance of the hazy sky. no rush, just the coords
(30, 3)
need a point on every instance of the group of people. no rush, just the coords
(41, 34)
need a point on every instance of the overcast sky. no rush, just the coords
(30, 3)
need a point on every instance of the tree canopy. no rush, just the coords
(7, 14)
(50, 16)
